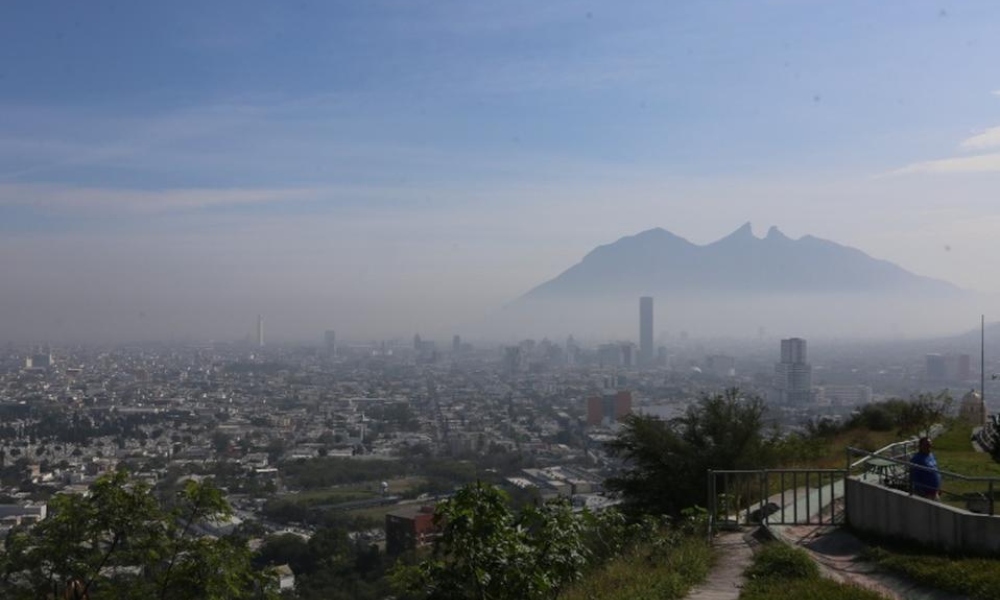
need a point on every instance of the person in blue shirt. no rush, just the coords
(925, 482)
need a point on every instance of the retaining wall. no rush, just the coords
(889, 512)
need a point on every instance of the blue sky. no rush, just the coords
(208, 157)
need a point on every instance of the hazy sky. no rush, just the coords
(171, 169)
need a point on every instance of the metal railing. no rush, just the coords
(808, 496)
(773, 497)
(901, 450)
(893, 470)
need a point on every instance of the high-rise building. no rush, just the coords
(456, 344)
(793, 350)
(513, 360)
(793, 375)
(572, 351)
(330, 337)
(260, 331)
(646, 330)
(628, 355)
(947, 367)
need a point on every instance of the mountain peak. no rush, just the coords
(745, 231)
(774, 234)
(657, 238)
(658, 260)
(743, 234)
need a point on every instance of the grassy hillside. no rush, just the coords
(649, 572)
(781, 572)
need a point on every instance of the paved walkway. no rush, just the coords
(838, 554)
(836, 551)
(725, 580)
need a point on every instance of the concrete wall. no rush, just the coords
(871, 507)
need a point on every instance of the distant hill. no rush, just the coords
(738, 285)
(659, 261)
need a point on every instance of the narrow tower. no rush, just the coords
(260, 331)
(646, 331)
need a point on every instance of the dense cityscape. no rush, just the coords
(411, 420)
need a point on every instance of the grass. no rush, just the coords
(832, 451)
(371, 516)
(646, 573)
(781, 572)
(954, 453)
(353, 491)
(953, 450)
(976, 578)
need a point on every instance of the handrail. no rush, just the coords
(775, 470)
(879, 453)
(990, 482)
(869, 455)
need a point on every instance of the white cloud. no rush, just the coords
(985, 140)
(983, 163)
(67, 199)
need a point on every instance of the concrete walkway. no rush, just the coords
(838, 554)
(725, 580)
(835, 549)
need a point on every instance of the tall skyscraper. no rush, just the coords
(260, 331)
(793, 375)
(793, 350)
(646, 330)
(330, 337)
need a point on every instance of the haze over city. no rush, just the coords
(507, 299)
(171, 171)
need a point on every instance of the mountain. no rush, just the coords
(738, 285)
(659, 261)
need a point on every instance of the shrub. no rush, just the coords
(780, 561)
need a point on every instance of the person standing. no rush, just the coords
(925, 482)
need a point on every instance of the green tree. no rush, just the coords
(666, 463)
(487, 552)
(120, 542)
(922, 412)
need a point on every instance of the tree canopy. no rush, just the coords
(914, 416)
(488, 552)
(666, 462)
(119, 541)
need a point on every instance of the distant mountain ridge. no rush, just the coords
(657, 260)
